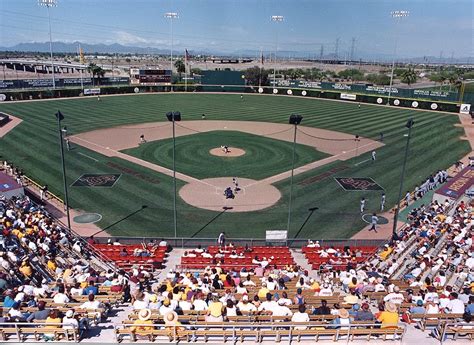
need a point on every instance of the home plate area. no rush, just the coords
(210, 194)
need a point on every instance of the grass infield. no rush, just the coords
(263, 157)
(33, 145)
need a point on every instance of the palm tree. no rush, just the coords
(408, 76)
(95, 70)
(180, 67)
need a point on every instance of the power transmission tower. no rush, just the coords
(336, 51)
(351, 57)
(321, 52)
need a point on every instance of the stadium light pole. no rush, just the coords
(295, 119)
(171, 16)
(48, 4)
(409, 125)
(60, 117)
(397, 15)
(173, 117)
(276, 19)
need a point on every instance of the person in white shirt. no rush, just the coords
(325, 291)
(166, 307)
(281, 309)
(140, 302)
(271, 284)
(60, 297)
(245, 306)
(69, 322)
(249, 282)
(395, 297)
(455, 305)
(285, 300)
(300, 316)
(199, 304)
(268, 305)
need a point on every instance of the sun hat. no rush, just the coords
(166, 302)
(144, 314)
(171, 318)
(70, 313)
(343, 313)
(153, 298)
(391, 307)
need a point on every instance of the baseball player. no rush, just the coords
(373, 156)
(382, 202)
(142, 139)
(68, 144)
(362, 205)
(373, 221)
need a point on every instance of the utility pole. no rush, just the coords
(321, 52)
(351, 58)
(336, 50)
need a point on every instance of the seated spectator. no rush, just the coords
(69, 321)
(40, 314)
(299, 298)
(214, 312)
(53, 321)
(60, 297)
(143, 321)
(389, 317)
(455, 305)
(300, 316)
(323, 309)
(343, 319)
(245, 306)
(91, 289)
(364, 314)
(418, 309)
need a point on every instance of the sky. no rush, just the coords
(433, 28)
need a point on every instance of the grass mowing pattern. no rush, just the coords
(263, 157)
(33, 145)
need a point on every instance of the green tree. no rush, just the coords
(378, 78)
(95, 71)
(351, 74)
(180, 66)
(408, 76)
(256, 76)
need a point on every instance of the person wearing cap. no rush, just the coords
(364, 313)
(418, 309)
(166, 307)
(389, 317)
(41, 314)
(69, 321)
(244, 305)
(281, 309)
(143, 324)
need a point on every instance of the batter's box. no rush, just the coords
(97, 180)
(357, 183)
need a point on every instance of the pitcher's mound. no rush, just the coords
(233, 152)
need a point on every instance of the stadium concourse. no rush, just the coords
(58, 286)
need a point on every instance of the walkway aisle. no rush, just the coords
(303, 263)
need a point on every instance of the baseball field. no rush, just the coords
(105, 147)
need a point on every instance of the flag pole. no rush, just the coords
(81, 61)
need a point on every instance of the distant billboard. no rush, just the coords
(150, 76)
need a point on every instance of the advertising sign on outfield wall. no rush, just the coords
(348, 96)
(465, 109)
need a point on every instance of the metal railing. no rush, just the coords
(22, 329)
(188, 242)
(234, 331)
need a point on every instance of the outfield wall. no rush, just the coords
(335, 95)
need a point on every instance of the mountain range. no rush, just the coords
(73, 48)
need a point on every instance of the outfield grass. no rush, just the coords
(264, 157)
(33, 145)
